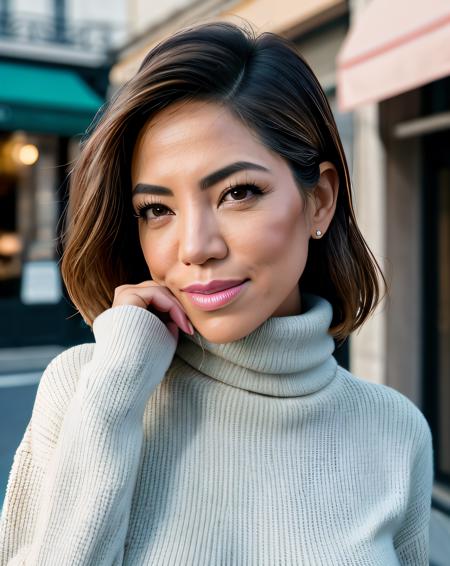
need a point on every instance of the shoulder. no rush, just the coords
(60, 377)
(73, 356)
(56, 388)
(392, 412)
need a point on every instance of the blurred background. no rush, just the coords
(385, 68)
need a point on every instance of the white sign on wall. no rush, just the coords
(41, 282)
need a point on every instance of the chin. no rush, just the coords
(218, 337)
(224, 331)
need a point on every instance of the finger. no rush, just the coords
(147, 283)
(165, 303)
(179, 317)
(164, 289)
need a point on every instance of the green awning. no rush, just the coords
(43, 99)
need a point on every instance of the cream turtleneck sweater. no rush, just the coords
(262, 452)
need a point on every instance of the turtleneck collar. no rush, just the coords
(286, 356)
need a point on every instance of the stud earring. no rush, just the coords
(318, 233)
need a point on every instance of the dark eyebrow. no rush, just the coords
(204, 183)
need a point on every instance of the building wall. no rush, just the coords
(114, 13)
(403, 247)
(143, 14)
(40, 7)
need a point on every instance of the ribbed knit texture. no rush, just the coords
(262, 452)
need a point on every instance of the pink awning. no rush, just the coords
(393, 46)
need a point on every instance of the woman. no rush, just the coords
(208, 426)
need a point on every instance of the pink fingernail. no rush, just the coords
(191, 328)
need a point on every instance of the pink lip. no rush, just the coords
(212, 286)
(212, 301)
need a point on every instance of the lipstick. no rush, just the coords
(212, 301)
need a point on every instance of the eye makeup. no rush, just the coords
(154, 203)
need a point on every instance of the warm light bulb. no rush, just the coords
(10, 244)
(28, 154)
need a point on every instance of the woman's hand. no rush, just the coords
(159, 300)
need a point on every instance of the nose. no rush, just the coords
(200, 237)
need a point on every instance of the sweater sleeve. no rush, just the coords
(70, 487)
(411, 542)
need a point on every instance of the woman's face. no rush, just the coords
(250, 224)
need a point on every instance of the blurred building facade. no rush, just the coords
(394, 75)
(54, 67)
(398, 148)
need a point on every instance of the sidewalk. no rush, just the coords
(27, 359)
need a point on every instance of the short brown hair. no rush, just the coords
(266, 83)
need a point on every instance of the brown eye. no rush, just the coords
(241, 190)
(158, 211)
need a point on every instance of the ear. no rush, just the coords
(324, 198)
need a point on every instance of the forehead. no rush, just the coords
(191, 135)
(188, 120)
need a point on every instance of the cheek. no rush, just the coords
(281, 240)
(157, 256)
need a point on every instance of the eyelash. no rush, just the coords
(142, 208)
